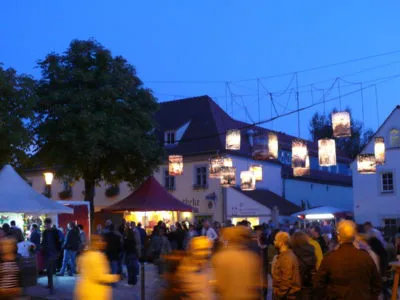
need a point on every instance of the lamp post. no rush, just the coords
(48, 178)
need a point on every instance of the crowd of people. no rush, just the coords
(209, 260)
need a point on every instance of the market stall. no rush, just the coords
(151, 203)
(322, 213)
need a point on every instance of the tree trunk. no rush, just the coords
(89, 196)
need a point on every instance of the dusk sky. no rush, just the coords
(220, 47)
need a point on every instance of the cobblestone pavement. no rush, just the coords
(64, 287)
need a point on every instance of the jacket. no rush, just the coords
(317, 251)
(346, 274)
(114, 247)
(94, 281)
(286, 281)
(72, 240)
(51, 244)
(307, 263)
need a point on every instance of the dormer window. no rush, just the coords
(395, 137)
(169, 137)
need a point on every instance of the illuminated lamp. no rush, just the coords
(258, 171)
(341, 125)
(175, 166)
(233, 139)
(302, 171)
(379, 150)
(366, 164)
(299, 154)
(247, 181)
(320, 216)
(265, 146)
(327, 152)
(228, 177)
(215, 166)
(48, 178)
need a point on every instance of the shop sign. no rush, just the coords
(243, 210)
(192, 202)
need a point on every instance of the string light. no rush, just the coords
(233, 139)
(379, 149)
(247, 181)
(326, 152)
(175, 166)
(258, 171)
(366, 164)
(341, 125)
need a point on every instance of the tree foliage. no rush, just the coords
(95, 118)
(321, 127)
(17, 98)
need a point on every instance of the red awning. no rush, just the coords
(150, 196)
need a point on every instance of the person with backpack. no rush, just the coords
(51, 248)
(71, 247)
(307, 262)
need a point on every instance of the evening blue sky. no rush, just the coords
(184, 48)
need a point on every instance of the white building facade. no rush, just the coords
(377, 196)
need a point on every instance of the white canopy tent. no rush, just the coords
(17, 196)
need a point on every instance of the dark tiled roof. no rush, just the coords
(209, 122)
(270, 199)
(319, 177)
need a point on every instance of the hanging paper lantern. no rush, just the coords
(247, 181)
(215, 166)
(233, 139)
(265, 146)
(327, 152)
(341, 124)
(175, 166)
(366, 164)
(228, 177)
(299, 154)
(257, 170)
(379, 150)
(228, 162)
(303, 171)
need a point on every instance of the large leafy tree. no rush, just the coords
(17, 99)
(95, 118)
(321, 127)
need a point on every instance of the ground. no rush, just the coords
(64, 287)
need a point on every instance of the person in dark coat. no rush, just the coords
(305, 254)
(131, 255)
(71, 246)
(35, 236)
(16, 232)
(347, 273)
(51, 248)
(113, 249)
(316, 234)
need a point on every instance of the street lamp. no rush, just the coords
(48, 178)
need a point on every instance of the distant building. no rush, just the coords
(195, 128)
(377, 196)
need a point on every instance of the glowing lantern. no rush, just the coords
(341, 124)
(303, 171)
(379, 150)
(247, 181)
(228, 162)
(366, 164)
(175, 166)
(215, 166)
(326, 152)
(228, 177)
(257, 170)
(299, 154)
(233, 140)
(265, 146)
(48, 178)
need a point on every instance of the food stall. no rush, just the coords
(322, 213)
(151, 203)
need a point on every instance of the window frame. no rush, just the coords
(168, 186)
(203, 177)
(393, 136)
(167, 137)
(382, 184)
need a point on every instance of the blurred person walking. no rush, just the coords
(10, 275)
(347, 273)
(94, 281)
(286, 281)
(237, 269)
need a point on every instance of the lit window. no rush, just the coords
(170, 137)
(395, 138)
(387, 182)
(169, 181)
(201, 176)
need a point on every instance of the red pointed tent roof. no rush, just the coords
(150, 196)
